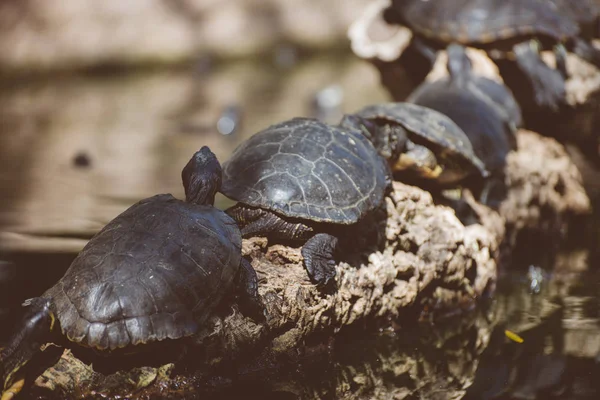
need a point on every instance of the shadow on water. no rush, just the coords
(75, 151)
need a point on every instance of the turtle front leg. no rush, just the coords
(32, 333)
(249, 300)
(587, 51)
(560, 54)
(318, 250)
(318, 253)
(548, 84)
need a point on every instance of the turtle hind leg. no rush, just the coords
(249, 300)
(318, 253)
(259, 222)
(34, 331)
(548, 84)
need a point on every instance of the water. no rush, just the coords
(77, 150)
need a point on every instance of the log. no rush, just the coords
(422, 258)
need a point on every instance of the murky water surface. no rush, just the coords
(75, 151)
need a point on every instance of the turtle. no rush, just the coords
(516, 29)
(305, 181)
(484, 109)
(157, 271)
(421, 145)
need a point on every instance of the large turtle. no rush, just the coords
(304, 180)
(506, 29)
(422, 146)
(155, 272)
(485, 110)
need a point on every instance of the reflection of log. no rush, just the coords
(138, 130)
(426, 258)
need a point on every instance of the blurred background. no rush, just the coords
(103, 103)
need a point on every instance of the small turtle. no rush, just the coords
(421, 144)
(506, 29)
(304, 180)
(157, 271)
(484, 109)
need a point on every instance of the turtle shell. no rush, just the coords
(428, 127)
(583, 12)
(499, 97)
(487, 130)
(303, 168)
(154, 272)
(484, 21)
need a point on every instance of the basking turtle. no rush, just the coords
(484, 109)
(506, 29)
(421, 144)
(304, 180)
(155, 272)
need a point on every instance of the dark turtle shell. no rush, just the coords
(486, 129)
(484, 21)
(306, 169)
(583, 12)
(499, 97)
(428, 127)
(154, 272)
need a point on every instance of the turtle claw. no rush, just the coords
(12, 391)
(251, 303)
(548, 84)
(318, 254)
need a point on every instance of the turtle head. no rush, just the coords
(459, 63)
(419, 160)
(202, 177)
(388, 139)
(35, 330)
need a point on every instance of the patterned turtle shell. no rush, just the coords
(303, 168)
(154, 272)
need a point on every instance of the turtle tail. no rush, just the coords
(33, 331)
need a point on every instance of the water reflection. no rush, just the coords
(75, 151)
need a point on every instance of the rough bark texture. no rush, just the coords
(546, 190)
(427, 259)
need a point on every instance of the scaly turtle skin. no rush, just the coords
(304, 180)
(505, 28)
(157, 271)
(422, 146)
(485, 110)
